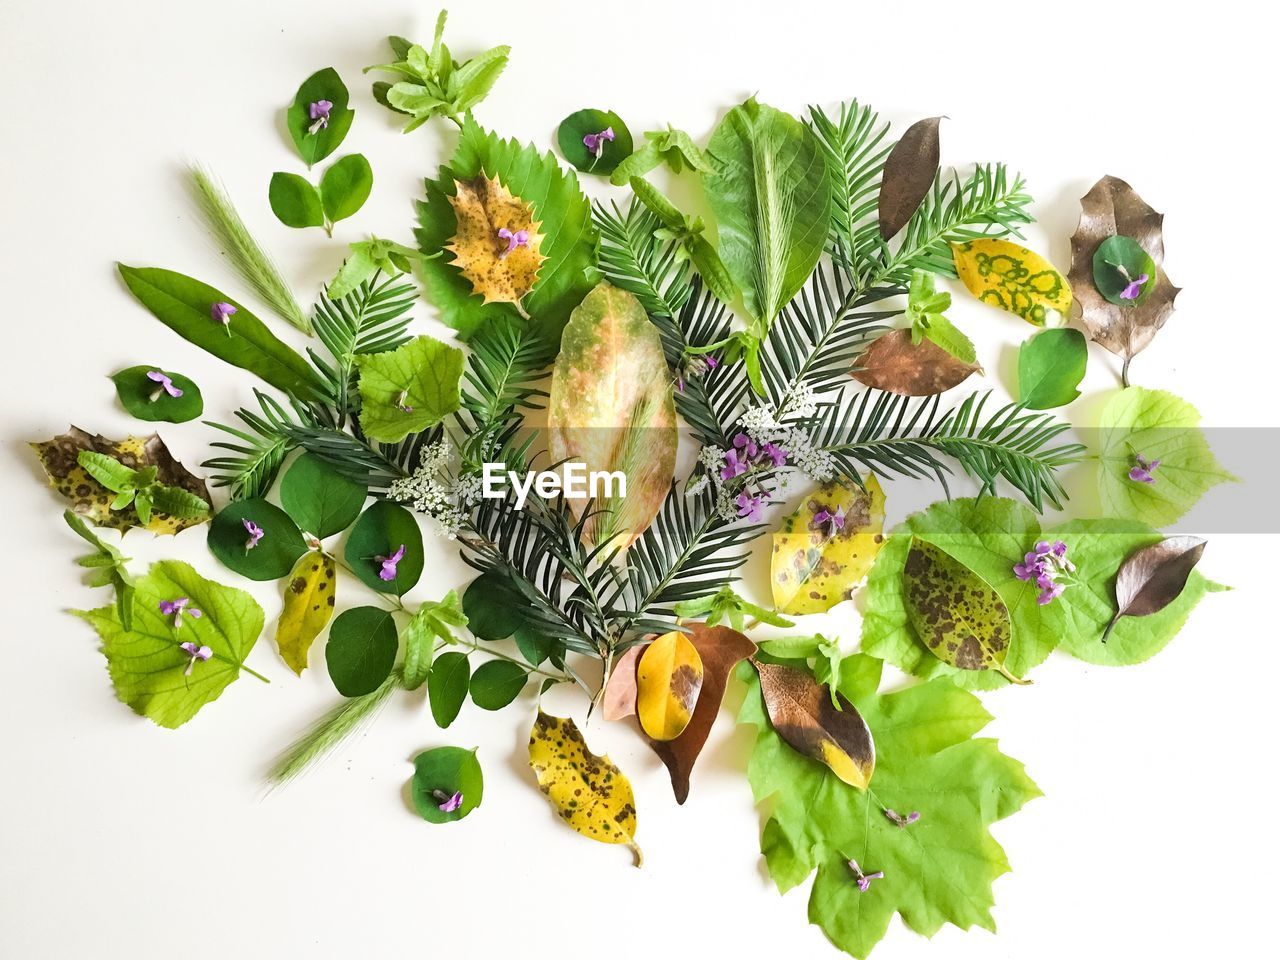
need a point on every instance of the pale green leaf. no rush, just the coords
(408, 389)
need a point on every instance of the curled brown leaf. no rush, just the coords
(1153, 577)
(894, 364)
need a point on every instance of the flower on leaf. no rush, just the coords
(898, 820)
(388, 570)
(448, 802)
(201, 653)
(176, 608)
(1047, 565)
(165, 385)
(515, 241)
(1133, 289)
(595, 141)
(318, 111)
(222, 312)
(1143, 470)
(863, 880)
(255, 534)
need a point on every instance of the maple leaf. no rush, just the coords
(937, 870)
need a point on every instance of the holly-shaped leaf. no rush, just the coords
(149, 667)
(408, 389)
(936, 869)
(309, 597)
(497, 244)
(1012, 278)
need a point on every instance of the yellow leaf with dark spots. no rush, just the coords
(497, 245)
(589, 792)
(308, 605)
(1012, 278)
(668, 681)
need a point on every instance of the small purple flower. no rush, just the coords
(319, 113)
(1142, 470)
(1050, 592)
(448, 802)
(864, 879)
(175, 609)
(255, 534)
(166, 385)
(750, 508)
(388, 571)
(711, 361)
(222, 312)
(776, 454)
(514, 240)
(828, 522)
(1133, 289)
(748, 446)
(733, 465)
(1045, 565)
(595, 141)
(898, 820)
(401, 402)
(201, 653)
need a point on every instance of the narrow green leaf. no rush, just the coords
(447, 686)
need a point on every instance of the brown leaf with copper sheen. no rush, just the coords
(619, 700)
(894, 364)
(803, 714)
(720, 648)
(908, 175)
(1153, 577)
(1112, 208)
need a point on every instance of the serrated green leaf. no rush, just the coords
(408, 389)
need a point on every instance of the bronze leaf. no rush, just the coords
(1153, 577)
(894, 364)
(909, 171)
(619, 699)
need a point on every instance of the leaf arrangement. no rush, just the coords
(591, 336)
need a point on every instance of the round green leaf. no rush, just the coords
(319, 499)
(1050, 367)
(380, 532)
(277, 551)
(1118, 260)
(294, 201)
(345, 187)
(323, 85)
(440, 773)
(585, 122)
(536, 647)
(447, 686)
(496, 683)
(146, 399)
(361, 650)
(493, 607)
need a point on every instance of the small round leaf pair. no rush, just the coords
(441, 774)
(343, 190)
(576, 129)
(274, 553)
(149, 398)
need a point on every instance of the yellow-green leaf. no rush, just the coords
(308, 605)
(1012, 278)
(668, 681)
(589, 792)
(501, 268)
(824, 549)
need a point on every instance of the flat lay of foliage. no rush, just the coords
(798, 338)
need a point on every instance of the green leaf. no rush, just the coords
(673, 147)
(380, 532)
(146, 662)
(493, 607)
(322, 85)
(537, 647)
(109, 566)
(361, 650)
(294, 201)
(445, 771)
(113, 474)
(432, 622)
(1050, 367)
(577, 125)
(447, 686)
(925, 304)
(367, 259)
(183, 304)
(1156, 425)
(345, 187)
(1116, 262)
(937, 871)
(177, 502)
(496, 683)
(147, 400)
(569, 271)
(280, 547)
(771, 197)
(321, 501)
(408, 389)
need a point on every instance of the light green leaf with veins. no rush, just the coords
(421, 376)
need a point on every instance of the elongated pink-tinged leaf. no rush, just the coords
(612, 410)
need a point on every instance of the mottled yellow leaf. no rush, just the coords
(500, 269)
(1012, 278)
(308, 605)
(589, 793)
(668, 680)
(824, 549)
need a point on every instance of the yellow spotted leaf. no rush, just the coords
(497, 245)
(668, 681)
(813, 722)
(589, 793)
(1012, 278)
(824, 549)
(308, 605)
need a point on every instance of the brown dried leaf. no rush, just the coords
(482, 207)
(91, 500)
(803, 714)
(1112, 208)
(908, 175)
(720, 648)
(1153, 577)
(619, 700)
(895, 364)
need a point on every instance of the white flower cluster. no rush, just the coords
(430, 489)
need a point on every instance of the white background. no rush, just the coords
(121, 840)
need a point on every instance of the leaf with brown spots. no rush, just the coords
(619, 700)
(894, 364)
(720, 648)
(308, 605)
(1112, 208)
(668, 681)
(500, 269)
(589, 792)
(954, 612)
(825, 548)
(805, 715)
(90, 499)
(909, 171)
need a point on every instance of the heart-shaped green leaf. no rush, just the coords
(443, 773)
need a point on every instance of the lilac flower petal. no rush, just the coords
(1133, 289)
(451, 804)
(222, 312)
(711, 361)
